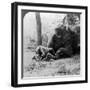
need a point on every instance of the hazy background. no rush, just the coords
(49, 21)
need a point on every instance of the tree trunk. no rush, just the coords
(39, 33)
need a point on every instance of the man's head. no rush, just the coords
(59, 30)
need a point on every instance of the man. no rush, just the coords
(61, 43)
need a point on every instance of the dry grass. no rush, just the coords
(66, 66)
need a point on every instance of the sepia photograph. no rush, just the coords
(50, 44)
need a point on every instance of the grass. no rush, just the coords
(60, 67)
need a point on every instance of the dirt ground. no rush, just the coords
(66, 66)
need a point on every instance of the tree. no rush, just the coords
(39, 33)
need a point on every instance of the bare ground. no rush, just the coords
(66, 66)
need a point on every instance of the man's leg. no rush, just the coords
(62, 53)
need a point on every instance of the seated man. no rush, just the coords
(61, 43)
